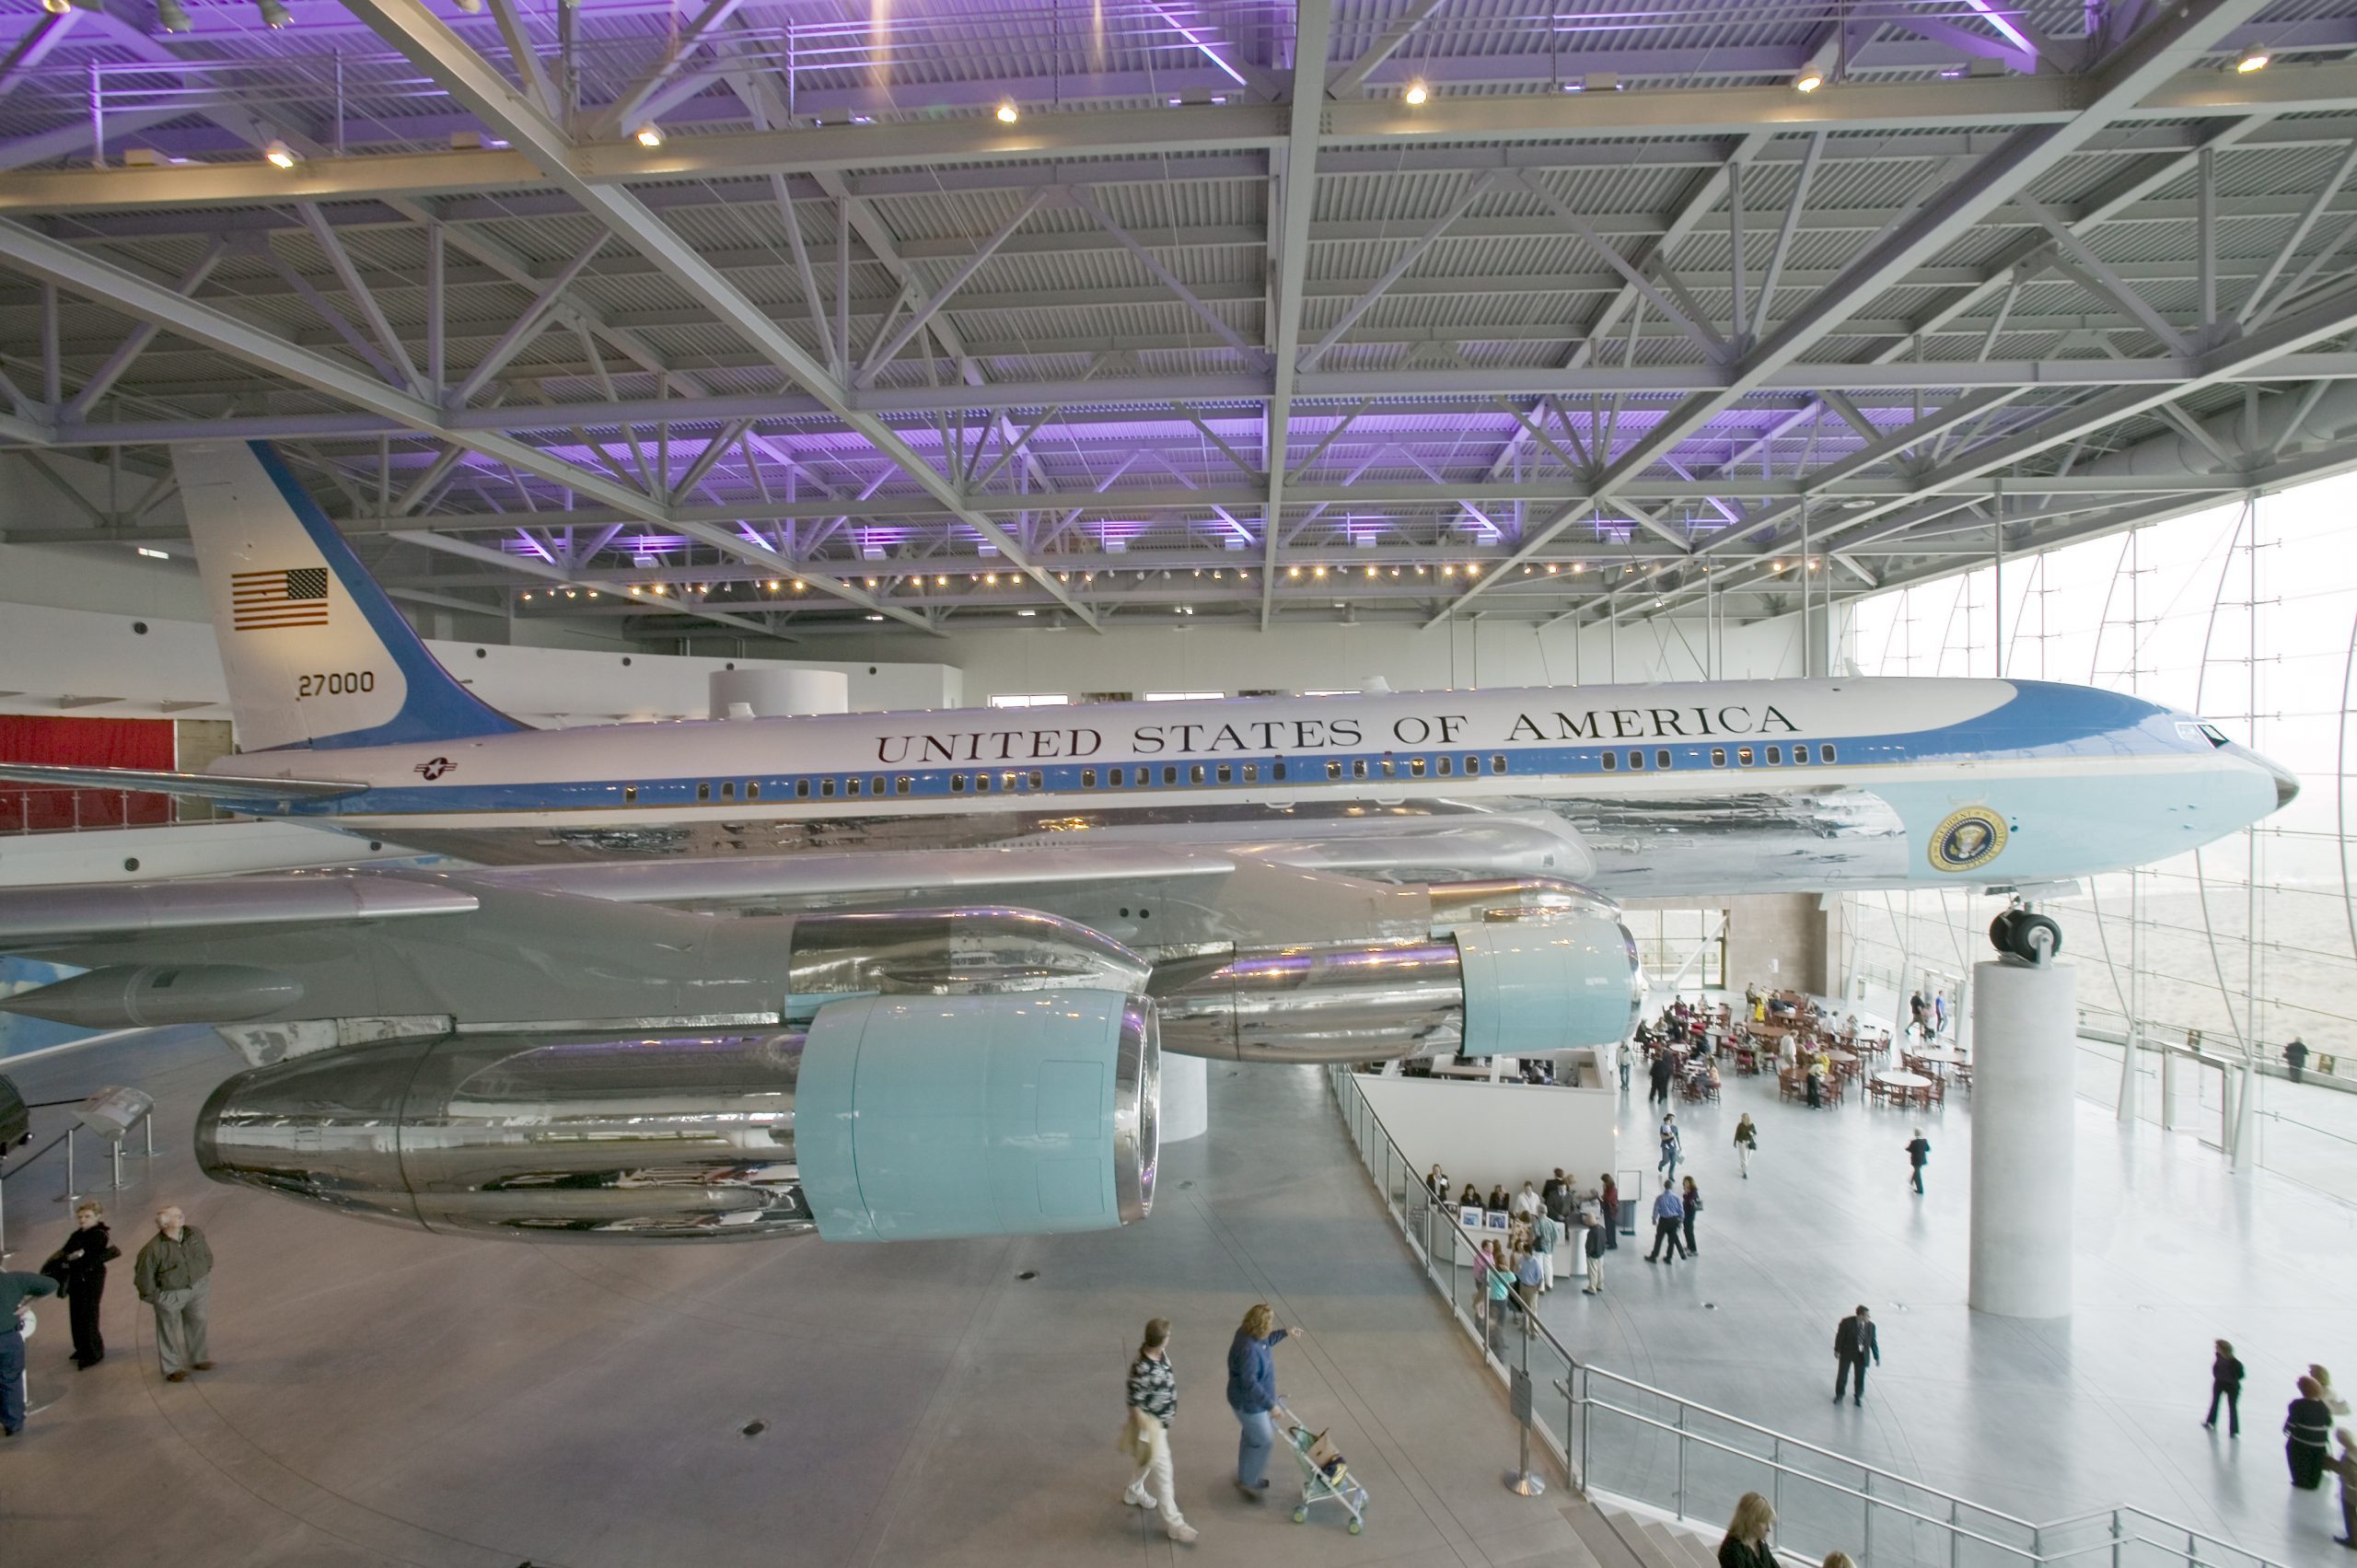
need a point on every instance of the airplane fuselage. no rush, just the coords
(1646, 790)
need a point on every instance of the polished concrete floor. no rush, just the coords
(389, 1397)
(2041, 1420)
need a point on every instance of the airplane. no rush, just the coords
(898, 975)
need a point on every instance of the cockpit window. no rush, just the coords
(2188, 730)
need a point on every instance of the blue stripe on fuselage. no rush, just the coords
(2042, 719)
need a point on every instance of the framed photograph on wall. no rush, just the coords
(1469, 1216)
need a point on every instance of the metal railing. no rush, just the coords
(42, 809)
(1627, 1441)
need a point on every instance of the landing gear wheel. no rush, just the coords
(1301, 1516)
(1356, 1526)
(2034, 937)
(2001, 931)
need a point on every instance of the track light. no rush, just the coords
(1007, 114)
(472, 7)
(171, 16)
(279, 152)
(649, 135)
(1417, 92)
(274, 13)
(2256, 59)
(1809, 80)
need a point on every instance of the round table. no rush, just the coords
(1842, 1061)
(1909, 1088)
(1941, 1057)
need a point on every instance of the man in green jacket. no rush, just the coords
(173, 1275)
(16, 1289)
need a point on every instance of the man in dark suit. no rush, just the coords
(1853, 1341)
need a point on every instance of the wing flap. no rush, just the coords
(40, 918)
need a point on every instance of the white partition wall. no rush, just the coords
(1497, 1133)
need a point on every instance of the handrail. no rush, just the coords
(2124, 1525)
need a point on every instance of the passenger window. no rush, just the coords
(1277, 772)
(1445, 766)
(1358, 767)
(802, 788)
(876, 785)
(1775, 756)
(1145, 777)
(1472, 766)
(1636, 761)
(1088, 778)
(1415, 767)
(1661, 757)
(703, 791)
(1718, 756)
(753, 790)
(1195, 774)
(1117, 777)
(728, 790)
(901, 784)
(1251, 772)
(981, 783)
(851, 786)
(1498, 763)
(1035, 778)
(630, 792)
(827, 788)
(956, 783)
(1825, 753)
(1743, 756)
(1611, 761)
(1170, 775)
(1800, 755)
(1226, 773)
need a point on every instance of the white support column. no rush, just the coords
(1186, 1097)
(2022, 1148)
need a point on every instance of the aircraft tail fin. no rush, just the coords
(315, 653)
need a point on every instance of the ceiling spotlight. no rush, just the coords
(274, 13)
(57, 8)
(648, 135)
(2256, 59)
(171, 16)
(1809, 80)
(1417, 92)
(1007, 114)
(472, 7)
(277, 152)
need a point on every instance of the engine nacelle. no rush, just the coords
(123, 996)
(1548, 983)
(891, 1118)
(950, 1116)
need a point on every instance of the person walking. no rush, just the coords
(1919, 1014)
(2295, 1057)
(1594, 1285)
(1252, 1394)
(1746, 1144)
(1546, 1235)
(1939, 1012)
(1668, 1214)
(2344, 1466)
(82, 1262)
(1690, 1199)
(1609, 1202)
(1745, 1542)
(2307, 1436)
(1625, 1055)
(1154, 1402)
(1529, 1278)
(16, 1287)
(1497, 1284)
(1919, 1149)
(174, 1275)
(2225, 1383)
(1853, 1343)
(2325, 1391)
(1662, 1070)
(1672, 1146)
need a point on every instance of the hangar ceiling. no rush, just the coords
(790, 317)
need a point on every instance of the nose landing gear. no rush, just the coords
(2032, 938)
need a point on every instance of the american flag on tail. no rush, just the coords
(291, 595)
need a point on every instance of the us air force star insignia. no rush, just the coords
(434, 769)
(1968, 840)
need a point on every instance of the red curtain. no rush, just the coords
(85, 743)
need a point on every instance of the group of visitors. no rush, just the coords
(1746, 1543)
(172, 1274)
(1154, 1405)
(2308, 1432)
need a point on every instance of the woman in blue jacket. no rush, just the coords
(1252, 1394)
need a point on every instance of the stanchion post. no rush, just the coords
(114, 1157)
(1523, 1483)
(69, 1195)
(4, 1222)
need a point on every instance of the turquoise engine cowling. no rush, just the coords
(1548, 983)
(929, 1117)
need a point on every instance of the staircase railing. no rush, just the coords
(1624, 1440)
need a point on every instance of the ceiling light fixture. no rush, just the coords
(1007, 114)
(1809, 80)
(648, 135)
(2255, 59)
(279, 154)
(1417, 92)
(274, 13)
(155, 555)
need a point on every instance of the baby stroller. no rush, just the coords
(1326, 1475)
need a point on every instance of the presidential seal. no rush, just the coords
(1968, 839)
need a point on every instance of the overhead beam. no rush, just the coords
(1292, 202)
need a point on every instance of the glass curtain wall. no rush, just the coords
(2246, 615)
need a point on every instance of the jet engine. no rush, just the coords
(888, 1118)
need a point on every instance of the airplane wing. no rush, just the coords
(202, 787)
(49, 919)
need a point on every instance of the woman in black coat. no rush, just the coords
(82, 1271)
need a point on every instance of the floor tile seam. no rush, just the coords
(326, 1496)
(1427, 1496)
(924, 1432)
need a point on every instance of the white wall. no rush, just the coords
(1508, 1133)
